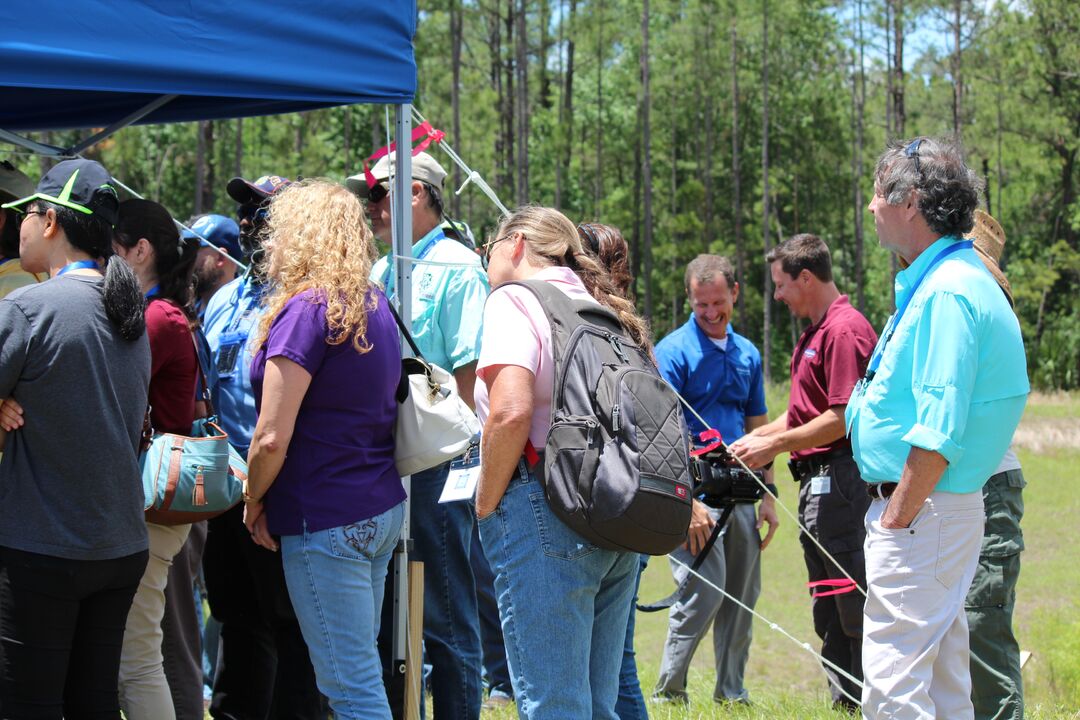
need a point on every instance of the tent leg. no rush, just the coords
(401, 228)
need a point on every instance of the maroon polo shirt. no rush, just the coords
(830, 357)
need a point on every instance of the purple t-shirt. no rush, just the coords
(339, 467)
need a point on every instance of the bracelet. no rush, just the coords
(247, 496)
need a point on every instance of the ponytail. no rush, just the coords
(601, 286)
(122, 296)
(125, 305)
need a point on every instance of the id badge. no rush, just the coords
(229, 353)
(463, 476)
(820, 485)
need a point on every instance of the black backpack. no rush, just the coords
(616, 464)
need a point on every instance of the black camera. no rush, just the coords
(720, 481)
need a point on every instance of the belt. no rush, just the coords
(807, 466)
(880, 491)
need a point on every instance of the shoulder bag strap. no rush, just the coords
(404, 330)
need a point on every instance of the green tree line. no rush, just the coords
(711, 126)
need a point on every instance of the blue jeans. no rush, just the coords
(564, 604)
(442, 535)
(631, 703)
(336, 579)
(495, 670)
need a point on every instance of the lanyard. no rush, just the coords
(388, 277)
(5, 261)
(78, 265)
(894, 322)
(156, 290)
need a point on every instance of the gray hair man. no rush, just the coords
(929, 423)
(449, 288)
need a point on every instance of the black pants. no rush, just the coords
(61, 630)
(263, 668)
(834, 511)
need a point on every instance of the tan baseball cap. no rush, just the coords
(989, 241)
(424, 168)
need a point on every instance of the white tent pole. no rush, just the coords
(401, 251)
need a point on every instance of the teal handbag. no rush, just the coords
(191, 478)
(188, 478)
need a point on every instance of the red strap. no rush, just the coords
(840, 585)
(705, 436)
(423, 130)
(531, 456)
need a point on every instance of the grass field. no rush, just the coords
(786, 682)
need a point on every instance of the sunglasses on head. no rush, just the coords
(377, 193)
(912, 151)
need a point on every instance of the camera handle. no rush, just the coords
(677, 595)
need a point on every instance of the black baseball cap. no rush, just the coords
(254, 193)
(82, 185)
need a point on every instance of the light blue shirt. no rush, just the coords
(448, 298)
(952, 380)
(723, 386)
(230, 319)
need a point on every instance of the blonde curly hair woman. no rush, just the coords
(321, 464)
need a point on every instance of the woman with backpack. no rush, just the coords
(148, 239)
(563, 601)
(73, 543)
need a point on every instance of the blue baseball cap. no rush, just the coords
(219, 231)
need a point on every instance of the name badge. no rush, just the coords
(463, 476)
(230, 350)
(820, 485)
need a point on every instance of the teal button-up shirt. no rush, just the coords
(952, 380)
(449, 288)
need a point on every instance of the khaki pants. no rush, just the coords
(915, 632)
(144, 692)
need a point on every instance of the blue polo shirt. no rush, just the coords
(952, 380)
(449, 288)
(230, 319)
(724, 386)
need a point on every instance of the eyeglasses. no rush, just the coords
(485, 255)
(251, 213)
(377, 193)
(912, 151)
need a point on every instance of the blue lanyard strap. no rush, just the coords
(78, 265)
(156, 290)
(894, 322)
(388, 278)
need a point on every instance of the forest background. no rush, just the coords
(708, 126)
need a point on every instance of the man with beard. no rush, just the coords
(216, 263)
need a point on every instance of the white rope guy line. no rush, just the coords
(471, 176)
(774, 626)
(205, 243)
(773, 496)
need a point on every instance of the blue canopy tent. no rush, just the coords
(106, 64)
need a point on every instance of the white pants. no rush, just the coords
(915, 633)
(144, 692)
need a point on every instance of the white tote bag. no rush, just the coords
(434, 424)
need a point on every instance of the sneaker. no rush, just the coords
(669, 697)
(497, 701)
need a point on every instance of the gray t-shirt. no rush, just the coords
(70, 484)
